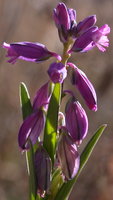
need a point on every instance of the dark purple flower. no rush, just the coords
(61, 16)
(84, 41)
(94, 36)
(65, 20)
(76, 121)
(68, 155)
(84, 25)
(42, 170)
(42, 97)
(31, 129)
(85, 87)
(72, 15)
(57, 72)
(34, 52)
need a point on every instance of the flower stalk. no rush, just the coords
(53, 160)
(67, 47)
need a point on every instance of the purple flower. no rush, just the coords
(68, 155)
(34, 52)
(31, 129)
(76, 121)
(84, 25)
(42, 170)
(34, 123)
(94, 36)
(65, 20)
(100, 39)
(85, 87)
(84, 41)
(42, 97)
(57, 72)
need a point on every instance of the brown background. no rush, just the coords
(31, 20)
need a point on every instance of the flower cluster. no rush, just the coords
(73, 125)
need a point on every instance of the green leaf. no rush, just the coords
(25, 101)
(52, 121)
(66, 188)
(26, 111)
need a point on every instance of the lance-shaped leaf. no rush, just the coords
(66, 188)
(25, 101)
(26, 111)
(52, 121)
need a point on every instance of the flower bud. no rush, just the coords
(42, 97)
(76, 121)
(31, 129)
(72, 14)
(43, 170)
(85, 87)
(68, 155)
(86, 24)
(57, 72)
(34, 52)
(65, 20)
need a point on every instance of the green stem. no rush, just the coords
(66, 55)
(67, 47)
(57, 179)
(31, 172)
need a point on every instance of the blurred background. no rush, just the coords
(31, 20)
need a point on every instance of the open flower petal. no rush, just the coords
(100, 38)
